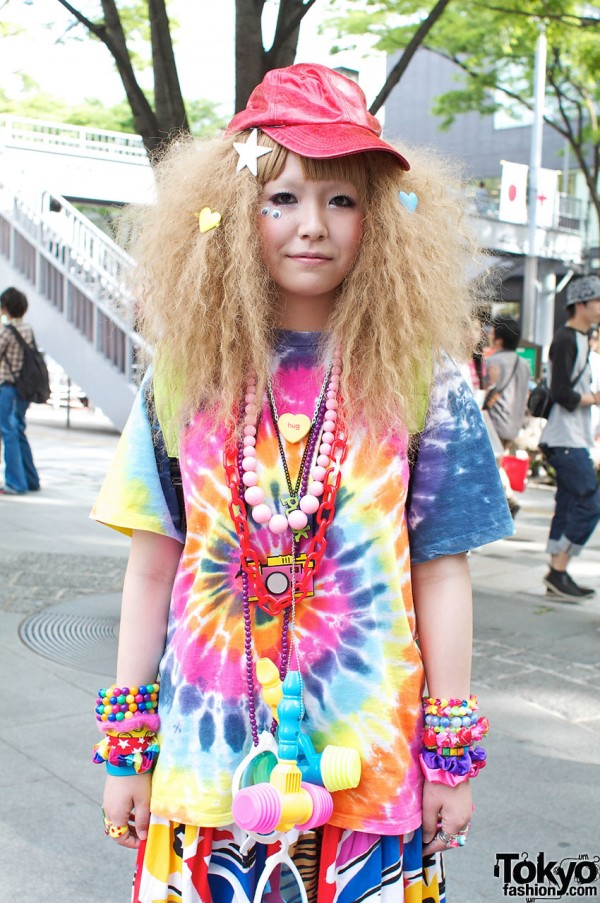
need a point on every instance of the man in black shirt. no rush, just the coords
(567, 439)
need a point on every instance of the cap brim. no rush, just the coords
(327, 141)
(575, 301)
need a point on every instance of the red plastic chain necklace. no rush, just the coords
(251, 565)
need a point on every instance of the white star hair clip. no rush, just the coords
(249, 152)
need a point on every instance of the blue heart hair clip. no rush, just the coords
(410, 200)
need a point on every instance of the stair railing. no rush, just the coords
(76, 267)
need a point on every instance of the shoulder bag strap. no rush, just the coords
(493, 394)
(24, 344)
(20, 339)
(510, 378)
(581, 372)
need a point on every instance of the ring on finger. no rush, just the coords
(453, 841)
(112, 830)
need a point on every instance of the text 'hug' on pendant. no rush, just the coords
(294, 427)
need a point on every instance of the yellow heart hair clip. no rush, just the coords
(208, 219)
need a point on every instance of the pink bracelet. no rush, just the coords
(439, 776)
(449, 778)
(139, 720)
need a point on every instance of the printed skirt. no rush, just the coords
(185, 864)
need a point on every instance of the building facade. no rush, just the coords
(480, 143)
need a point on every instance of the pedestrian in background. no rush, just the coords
(482, 199)
(473, 368)
(595, 365)
(508, 378)
(20, 474)
(567, 438)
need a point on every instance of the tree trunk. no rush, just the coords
(287, 32)
(252, 61)
(113, 36)
(153, 128)
(249, 50)
(168, 100)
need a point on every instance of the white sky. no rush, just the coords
(76, 69)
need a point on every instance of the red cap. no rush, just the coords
(313, 111)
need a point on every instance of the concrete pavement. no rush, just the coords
(536, 670)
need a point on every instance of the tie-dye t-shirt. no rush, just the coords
(363, 675)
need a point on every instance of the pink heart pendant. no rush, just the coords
(293, 427)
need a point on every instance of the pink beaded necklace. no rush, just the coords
(303, 498)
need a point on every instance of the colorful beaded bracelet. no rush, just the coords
(117, 704)
(449, 707)
(456, 721)
(450, 736)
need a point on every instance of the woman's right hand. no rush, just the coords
(151, 569)
(127, 802)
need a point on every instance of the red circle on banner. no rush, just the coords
(512, 192)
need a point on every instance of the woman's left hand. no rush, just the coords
(450, 807)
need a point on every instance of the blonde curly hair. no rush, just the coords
(210, 310)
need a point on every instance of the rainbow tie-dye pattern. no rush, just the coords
(360, 661)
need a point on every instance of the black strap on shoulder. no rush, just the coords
(510, 378)
(581, 372)
(177, 484)
(23, 344)
(414, 440)
(20, 338)
(163, 458)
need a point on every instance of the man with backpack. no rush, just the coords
(20, 474)
(567, 439)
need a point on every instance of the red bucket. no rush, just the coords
(516, 470)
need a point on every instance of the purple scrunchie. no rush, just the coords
(458, 765)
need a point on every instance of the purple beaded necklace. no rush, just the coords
(299, 488)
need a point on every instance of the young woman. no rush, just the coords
(305, 295)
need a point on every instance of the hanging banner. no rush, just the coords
(546, 198)
(513, 193)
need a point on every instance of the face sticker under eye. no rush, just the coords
(276, 214)
(265, 211)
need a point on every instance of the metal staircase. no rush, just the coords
(75, 279)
